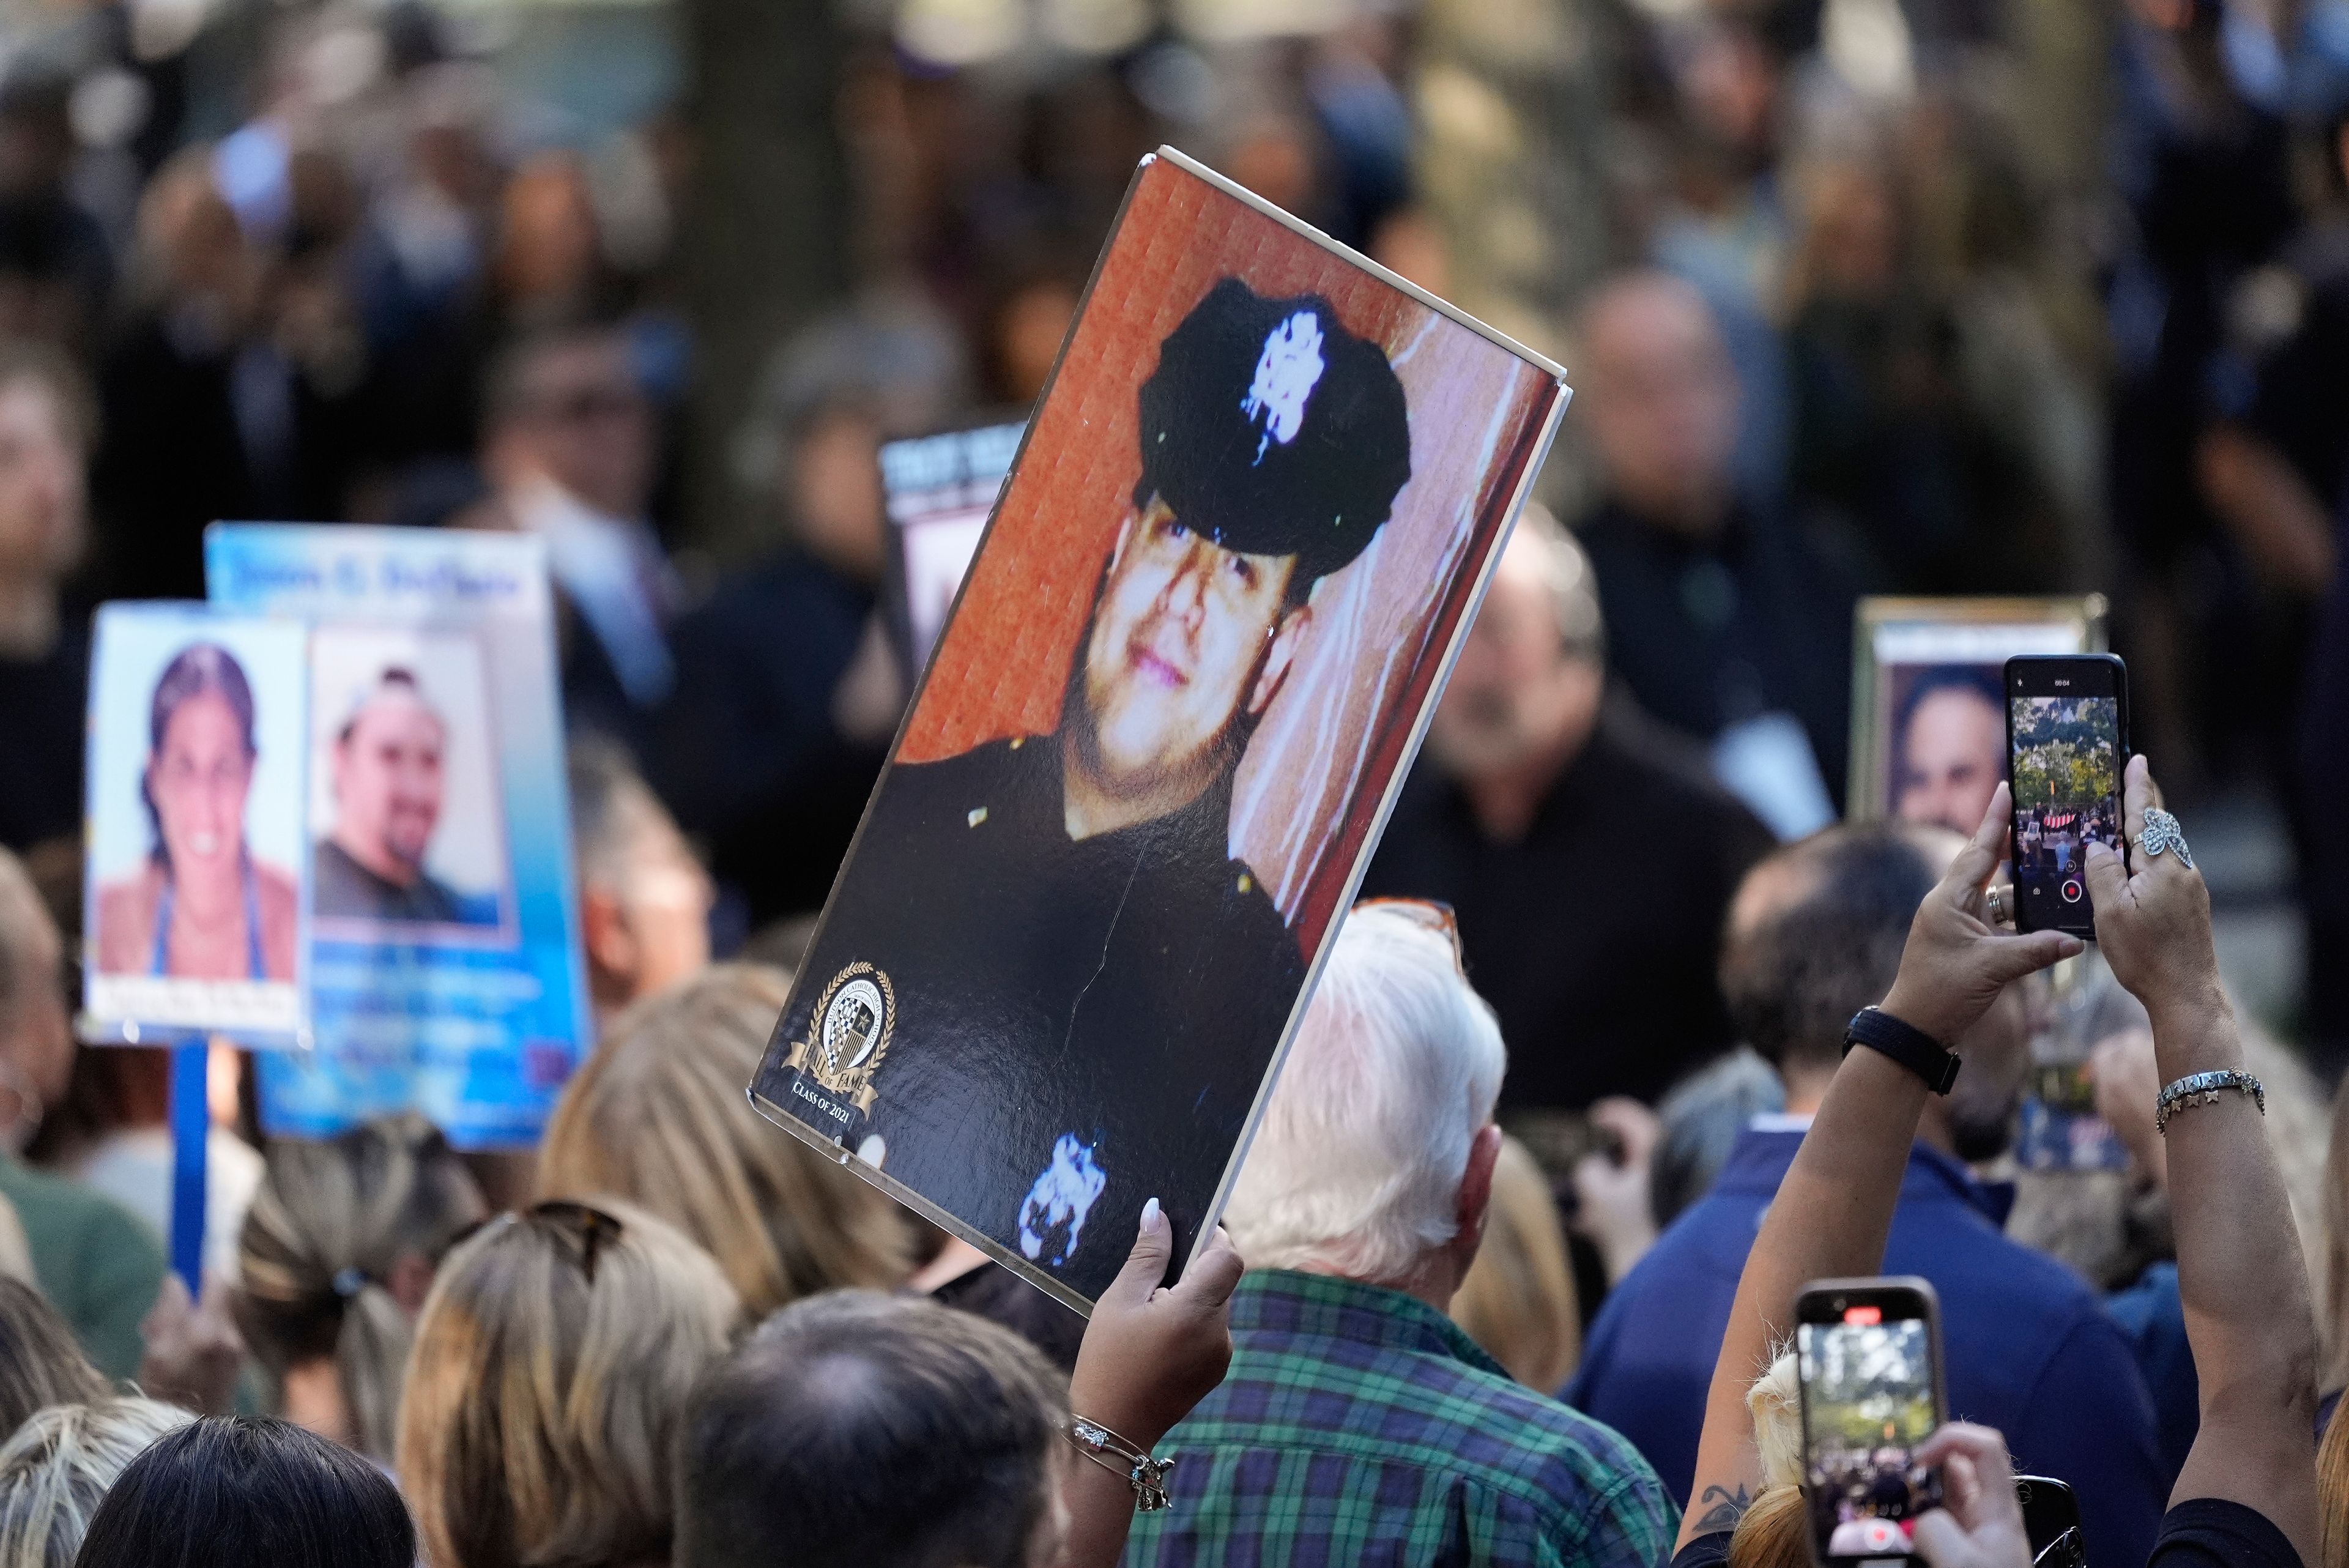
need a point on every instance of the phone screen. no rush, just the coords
(2065, 724)
(1869, 1397)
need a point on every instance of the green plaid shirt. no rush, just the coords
(1359, 1425)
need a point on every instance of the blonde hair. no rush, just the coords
(40, 1361)
(548, 1387)
(658, 1116)
(1517, 1300)
(328, 1225)
(57, 1469)
(1775, 1531)
(2333, 1494)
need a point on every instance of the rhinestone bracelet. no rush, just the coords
(2204, 1087)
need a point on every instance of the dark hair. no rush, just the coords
(870, 1431)
(1794, 978)
(1968, 679)
(246, 1492)
(395, 677)
(506, 394)
(40, 1361)
(201, 669)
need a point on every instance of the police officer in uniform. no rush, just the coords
(1087, 987)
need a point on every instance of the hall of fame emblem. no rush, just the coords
(849, 1034)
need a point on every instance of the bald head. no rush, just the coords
(1776, 883)
(1659, 398)
(1816, 931)
(1792, 874)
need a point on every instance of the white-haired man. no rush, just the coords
(1356, 1418)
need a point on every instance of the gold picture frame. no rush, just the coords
(1897, 640)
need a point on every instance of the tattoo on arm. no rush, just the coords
(1726, 1508)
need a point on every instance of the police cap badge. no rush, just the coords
(1271, 429)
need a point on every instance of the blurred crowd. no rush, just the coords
(1858, 296)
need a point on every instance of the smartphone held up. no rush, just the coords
(2067, 740)
(1869, 1353)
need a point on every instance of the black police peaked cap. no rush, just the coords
(1223, 442)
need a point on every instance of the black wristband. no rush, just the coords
(1905, 1044)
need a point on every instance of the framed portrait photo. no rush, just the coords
(1192, 657)
(1928, 698)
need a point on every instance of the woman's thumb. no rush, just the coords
(1153, 1245)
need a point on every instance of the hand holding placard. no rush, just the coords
(1151, 1352)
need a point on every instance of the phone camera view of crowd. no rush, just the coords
(2066, 757)
(1868, 1401)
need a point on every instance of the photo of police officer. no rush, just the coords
(1034, 901)
(386, 770)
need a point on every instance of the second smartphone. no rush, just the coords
(1869, 1353)
(2067, 738)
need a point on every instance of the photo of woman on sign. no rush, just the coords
(202, 906)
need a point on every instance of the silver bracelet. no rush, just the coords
(2205, 1087)
(1145, 1475)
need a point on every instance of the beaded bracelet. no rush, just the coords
(1114, 1454)
(2205, 1087)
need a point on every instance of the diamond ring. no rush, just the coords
(2161, 834)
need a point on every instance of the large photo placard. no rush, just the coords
(444, 947)
(1252, 515)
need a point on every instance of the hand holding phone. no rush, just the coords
(2066, 737)
(2154, 914)
(1869, 1353)
(1981, 1525)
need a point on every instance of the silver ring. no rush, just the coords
(2161, 834)
(1996, 898)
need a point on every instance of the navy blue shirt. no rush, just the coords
(2153, 1316)
(2028, 1348)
